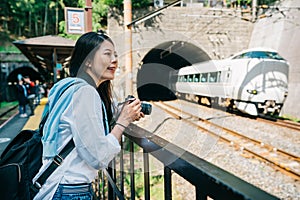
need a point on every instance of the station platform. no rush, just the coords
(33, 121)
(15, 124)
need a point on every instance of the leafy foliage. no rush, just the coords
(32, 18)
(136, 4)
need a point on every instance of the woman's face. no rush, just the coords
(104, 64)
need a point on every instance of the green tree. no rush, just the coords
(100, 10)
(136, 4)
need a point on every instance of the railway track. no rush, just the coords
(7, 114)
(270, 120)
(282, 123)
(279, 159)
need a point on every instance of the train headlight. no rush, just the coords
(252, 91)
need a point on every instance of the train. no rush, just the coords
(253, 81)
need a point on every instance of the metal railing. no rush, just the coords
(207, 180)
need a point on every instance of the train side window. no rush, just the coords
(181, 79)
(196, 78)
(190, 78)
(204, 77)
(213, 77)
(185, 78)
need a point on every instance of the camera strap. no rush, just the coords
(106, 128)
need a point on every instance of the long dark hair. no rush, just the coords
(85, 48)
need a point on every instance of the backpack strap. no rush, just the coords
(57, 160)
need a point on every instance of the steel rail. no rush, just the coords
(279, 166)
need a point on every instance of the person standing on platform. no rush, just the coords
(30, 86)
(22, 98)
(85, 114)
(39, 91)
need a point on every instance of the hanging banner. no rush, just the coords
(75, 20)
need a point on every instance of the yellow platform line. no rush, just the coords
(34, 121)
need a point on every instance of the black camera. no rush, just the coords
(146, 107)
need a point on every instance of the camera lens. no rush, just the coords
(146, 108)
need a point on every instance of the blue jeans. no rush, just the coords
(74, 191)
(22, 109)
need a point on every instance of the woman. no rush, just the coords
(82, 113)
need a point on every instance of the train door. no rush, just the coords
(225, 79)
(226, 76)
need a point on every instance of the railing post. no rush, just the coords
(111, 194)
(168, 183)
(146, 175)
(103, 184)
(122, 169)
(132, 183)
(200, 195)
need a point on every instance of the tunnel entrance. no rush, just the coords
(153, 78)
(24, 71)
(12, 80)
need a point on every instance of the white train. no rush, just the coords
(254, 81)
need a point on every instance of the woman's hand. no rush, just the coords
(130, 112)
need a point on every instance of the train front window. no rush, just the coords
(274, 55)
(260, 55)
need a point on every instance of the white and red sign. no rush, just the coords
(75, 21)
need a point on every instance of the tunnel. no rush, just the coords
(12, 80)
(24, 71)
(153, 77)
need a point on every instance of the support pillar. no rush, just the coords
(128, 47)
(254, 9)
(88, 10)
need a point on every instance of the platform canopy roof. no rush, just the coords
(46, 51)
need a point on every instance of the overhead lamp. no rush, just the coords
(40, 57)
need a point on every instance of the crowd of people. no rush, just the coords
(29, 94)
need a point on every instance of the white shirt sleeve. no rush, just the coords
(88, 129)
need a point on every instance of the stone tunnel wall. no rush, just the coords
(220, 33)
